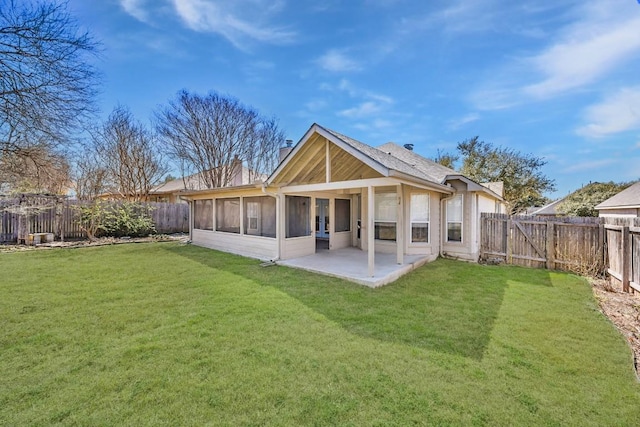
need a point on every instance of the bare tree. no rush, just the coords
(129, 155)
(90, 177)
(47, 85)
(41, 171)
(215, 135)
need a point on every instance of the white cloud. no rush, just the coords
(617, 113)
(461, 121)
(337, 61)
(237, 21)
(589, 165)
(136, 9)
(365, 109)
(598, 40)
(585, 53)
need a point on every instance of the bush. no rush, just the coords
(128, 219)
(116, 219)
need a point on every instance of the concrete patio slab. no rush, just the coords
(352, 264)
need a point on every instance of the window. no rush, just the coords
(203, 214)
(454, 219)
(228, 215)
(420, 218)
(297, 213)
(343, 215)
(260, 216)
(386, 208)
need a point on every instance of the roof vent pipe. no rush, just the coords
(284, 151)
(408, 147)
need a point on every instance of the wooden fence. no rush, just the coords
(590, 246)
(623, 243)
(22, 215)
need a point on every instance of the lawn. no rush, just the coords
(169, 334)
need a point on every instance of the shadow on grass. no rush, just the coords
(446, 306)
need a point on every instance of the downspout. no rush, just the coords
(278, 220)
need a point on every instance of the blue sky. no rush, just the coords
(559, 79)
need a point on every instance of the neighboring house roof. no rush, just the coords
(627, 198)
(550, 209)
(191, 182)
(197, 182)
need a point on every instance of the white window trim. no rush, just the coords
(428, 221)
(377, 221)
(461, 222)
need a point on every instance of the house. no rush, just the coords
(549, 210)
(169, 192)
(624, 204)
(332, 192)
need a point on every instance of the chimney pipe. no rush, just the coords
(408, 147)
(284, 151)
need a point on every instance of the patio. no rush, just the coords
(351, 264)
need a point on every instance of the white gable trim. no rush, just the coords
(315, 128)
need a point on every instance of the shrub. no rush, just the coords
(128, 219)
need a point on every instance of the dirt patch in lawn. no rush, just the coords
(623, 309)
(103, 241)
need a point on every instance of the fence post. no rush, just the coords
(602, 257)
(509, 242)
(551, 245)
(626, 261)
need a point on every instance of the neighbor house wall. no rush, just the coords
(619, 213)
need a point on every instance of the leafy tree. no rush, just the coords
(524, 182)
(446, 159)
(47, 85)
(211, 134)
(583, 201)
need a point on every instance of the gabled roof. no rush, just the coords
(435, 171)
(389, 160)
(549, 209)
(627, 198)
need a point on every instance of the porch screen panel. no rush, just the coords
(454, 219)
(343, 215)
(386, 205)
(260, 216)
(228, 215)
(203, 214)
(420, 218)
(297, 215)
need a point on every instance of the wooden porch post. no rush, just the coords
(371, 244)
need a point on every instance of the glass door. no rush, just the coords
(322, 218)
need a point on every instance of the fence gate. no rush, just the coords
(575, 244)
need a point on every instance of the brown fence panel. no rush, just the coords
(574, 244)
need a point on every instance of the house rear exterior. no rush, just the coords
(333, 192)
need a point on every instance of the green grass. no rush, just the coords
(165, 334)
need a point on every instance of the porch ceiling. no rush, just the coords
(309, 166)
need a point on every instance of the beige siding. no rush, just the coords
(295, 247)
(264, 248)
(341, 240)
(620, 213)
